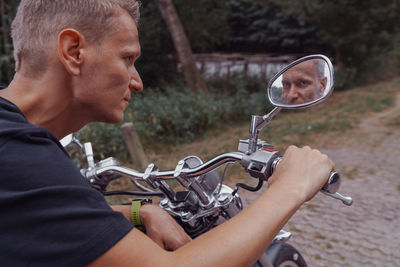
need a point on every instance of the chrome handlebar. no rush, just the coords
(105, 171)
(188, 173)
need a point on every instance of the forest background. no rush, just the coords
(362, 37)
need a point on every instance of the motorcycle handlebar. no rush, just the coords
(163, 175)
(152, 173)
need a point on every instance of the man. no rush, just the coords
(304, 82)
(75, 64)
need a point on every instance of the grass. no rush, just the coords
(392, 121)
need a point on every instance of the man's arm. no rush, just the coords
(241, 240)
(160, 226)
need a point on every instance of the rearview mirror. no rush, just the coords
(303, 83)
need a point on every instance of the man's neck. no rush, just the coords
(45, 102)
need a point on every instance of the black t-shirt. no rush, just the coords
(49, 214)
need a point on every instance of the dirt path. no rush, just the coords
(328, 233)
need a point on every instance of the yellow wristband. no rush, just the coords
(134, 214)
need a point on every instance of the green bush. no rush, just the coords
(346, 78)
(383, 65)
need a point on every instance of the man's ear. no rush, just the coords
(70, 45)
(323, 84)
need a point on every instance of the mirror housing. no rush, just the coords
(303, 83)
(67, 140)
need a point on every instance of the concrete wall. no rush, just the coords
(212, 65)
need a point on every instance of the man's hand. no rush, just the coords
(303, 171)
(162, 228)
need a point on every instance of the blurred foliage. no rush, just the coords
(156, 56)
(7, 65)
(205, 23)
(177, 115)
(260, 27)
(363, 33)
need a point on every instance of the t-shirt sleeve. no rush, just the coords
(50, 216)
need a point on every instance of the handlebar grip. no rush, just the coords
(333, 184)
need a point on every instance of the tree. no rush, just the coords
(263, 27)
(206, 27)
(357, 29)
(182, 45)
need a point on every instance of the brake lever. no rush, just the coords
(331, 187)
(346, 200)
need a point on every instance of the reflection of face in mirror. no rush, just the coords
(304, 82)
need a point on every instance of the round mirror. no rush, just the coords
(302, 83)
(66, 140)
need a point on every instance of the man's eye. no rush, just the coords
(129, 60)
(286, 85)
(303, 84)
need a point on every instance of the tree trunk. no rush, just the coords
(182, 46)
(134, 146)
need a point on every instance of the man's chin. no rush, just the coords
(296, 102)
(112, 119)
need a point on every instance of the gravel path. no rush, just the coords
(328, 233)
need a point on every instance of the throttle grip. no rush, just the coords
(330, 188)
(333, 184)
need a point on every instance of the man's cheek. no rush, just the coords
(308, 94)
(116, 80)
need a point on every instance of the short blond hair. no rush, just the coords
(38, 23)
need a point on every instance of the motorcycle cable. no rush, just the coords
(143, 188)
(222, 176)
(249, 188)
(134, 193)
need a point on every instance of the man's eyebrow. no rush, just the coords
(129, 50)
(306, 77)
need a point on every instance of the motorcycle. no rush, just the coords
(206, 201)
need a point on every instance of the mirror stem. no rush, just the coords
(256, 125)
(76, 141)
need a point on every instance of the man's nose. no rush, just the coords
(135, 83)
(293, 94)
